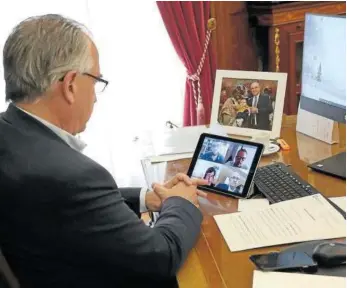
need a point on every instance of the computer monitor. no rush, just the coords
(324, 77)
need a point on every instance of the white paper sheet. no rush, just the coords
(303, 219)
(170, 157)
(252, 204)
(256, 204)
(175, 144)
(295, 280)
(182, 140)
(339, 201)
(177, 141)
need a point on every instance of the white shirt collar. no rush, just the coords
(73, 141)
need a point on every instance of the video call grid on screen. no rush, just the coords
(224, 164)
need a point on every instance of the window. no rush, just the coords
(147, 80)
(11, 16)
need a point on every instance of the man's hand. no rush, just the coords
(189, 193)
(180, 177)
(153, 201)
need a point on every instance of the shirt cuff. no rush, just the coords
(143, 207)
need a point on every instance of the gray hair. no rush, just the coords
(39, 51)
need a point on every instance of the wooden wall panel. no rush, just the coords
(287, 21)
(232, 40)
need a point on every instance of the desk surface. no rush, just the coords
(211, 264)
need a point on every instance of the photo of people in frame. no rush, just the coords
(247, 103)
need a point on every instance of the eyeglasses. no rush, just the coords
(100, 84)
(240, 158)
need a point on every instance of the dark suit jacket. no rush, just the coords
(264, 110)
(65, 223)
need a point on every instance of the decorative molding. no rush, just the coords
(232, 36)
(277, 48)
(280, 17)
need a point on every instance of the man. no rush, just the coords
(213, 155)
(261, 108)
(234, 184)
(63, 220)
(240, 157)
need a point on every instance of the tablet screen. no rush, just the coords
(228, 165)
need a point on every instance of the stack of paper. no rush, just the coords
(295, 280)
(153, 172)
(178, 143)
(303, 219)
(170, 157)
(180, 140)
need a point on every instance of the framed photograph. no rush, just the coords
(247, 101)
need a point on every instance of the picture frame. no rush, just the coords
(246, 102)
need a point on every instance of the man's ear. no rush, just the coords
(69, 86)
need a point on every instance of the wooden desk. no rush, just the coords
(211, 264)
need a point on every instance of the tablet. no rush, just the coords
(228, 164)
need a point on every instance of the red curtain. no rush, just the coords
(186, 23)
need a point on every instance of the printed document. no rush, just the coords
(339, 201)
(261, 203)
(303, 219)
(295, 280)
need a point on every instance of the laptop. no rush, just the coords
(333, 166)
